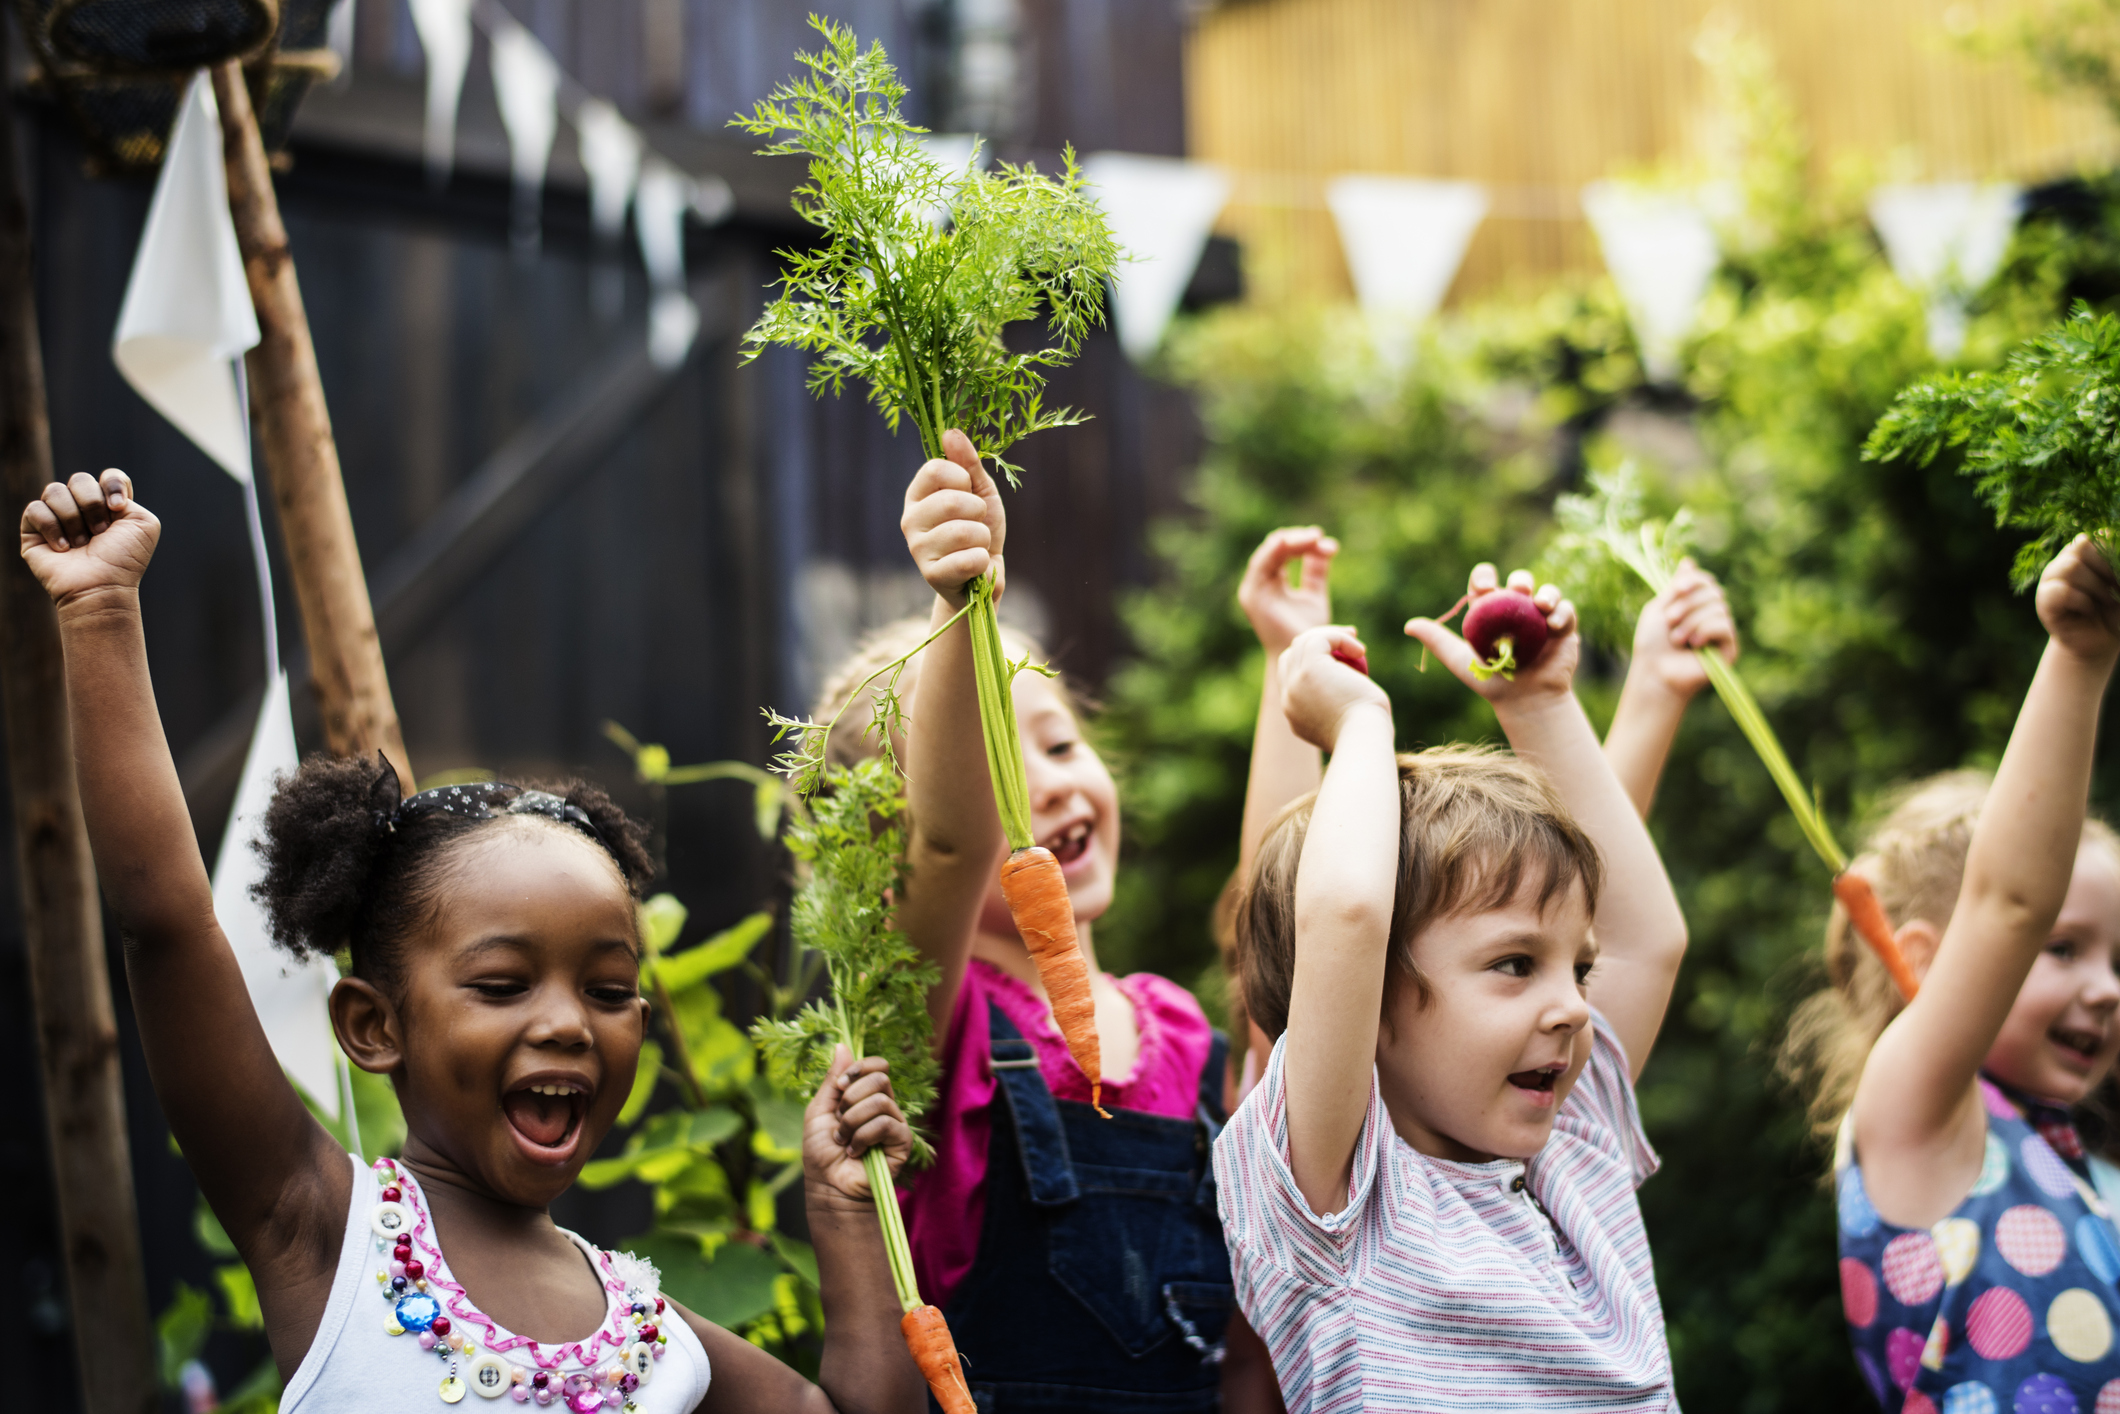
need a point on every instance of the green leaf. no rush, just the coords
(240, 1294)
(207, 1228)
(779, 1134)
(800, 1256)
(663, 1146)
(652, 761)
(259, 1393)
(717, 954)
(734, 1287)
(644, 1078)
(662, 918)
(767, 800)
(181, 1331)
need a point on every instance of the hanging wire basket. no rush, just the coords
(118, 67)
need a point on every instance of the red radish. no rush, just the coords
(1354, 658)
(1507, 630)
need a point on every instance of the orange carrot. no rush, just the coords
(1036, 891)
(1868, 917)
(927, 1335)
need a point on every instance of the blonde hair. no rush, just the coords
(1476, 826)
(852, 742)
(1915, 860)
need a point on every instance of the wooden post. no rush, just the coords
(62, 916)
(301, 461)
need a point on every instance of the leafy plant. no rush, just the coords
(2041, 435)
(922, 268)
(717, 1162)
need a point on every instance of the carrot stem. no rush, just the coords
(992, 673)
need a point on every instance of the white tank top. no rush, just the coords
(406, 1338)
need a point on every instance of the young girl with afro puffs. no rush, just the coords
(495, 979)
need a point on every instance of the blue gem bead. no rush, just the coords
(417, 1311)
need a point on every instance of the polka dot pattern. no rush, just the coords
(1958, 1245)
(1912, 1271)
(2045, 1394)
(1917, 1403)
(2077, 1325)
(1857, 1217)
(1902, 1356)
(1994, 1169)
(1999, 1325)
(1858, 1292)
(1972, 1397)
(2030, 1239)
(2094, 1241)
(2108, 1399)
(2046, 1168)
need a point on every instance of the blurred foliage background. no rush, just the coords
(1880, 635)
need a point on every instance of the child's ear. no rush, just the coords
(1918, 939)
(367, 1026)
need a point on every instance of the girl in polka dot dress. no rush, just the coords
(495, 978)
(1977, 1264)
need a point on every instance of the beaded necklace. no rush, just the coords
(423, 1300)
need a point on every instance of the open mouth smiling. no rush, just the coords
(1537, 1085)
(2076, 1044)
(1072, 842)
(545, 1111)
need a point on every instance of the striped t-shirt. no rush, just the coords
(1441, 1285)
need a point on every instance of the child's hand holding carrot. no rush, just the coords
(1693, 613)
(1665, 675)
(2079, 603)
(954, 521)
(852, 1112)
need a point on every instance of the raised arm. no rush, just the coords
(1640, 932)
(1916, 1109)
(1283, 766)
(276, 1180)
(954, 525)
(1345, 881)
(1664, 675)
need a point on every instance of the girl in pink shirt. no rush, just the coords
(1080, 1260)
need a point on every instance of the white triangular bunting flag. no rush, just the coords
(292, 998)
(1661, 251)
(1161, 210)
(187, 310)
(1404, 238)
(526, 85)
(610, 152)
(1946, 240)
(659, 206)
(445, 36)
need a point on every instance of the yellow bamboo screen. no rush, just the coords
(1536, 97)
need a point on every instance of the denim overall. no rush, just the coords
(1102, 1283)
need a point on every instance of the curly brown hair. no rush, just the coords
(335, 877)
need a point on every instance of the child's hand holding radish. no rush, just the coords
(1320, 689)
(1666, 674)
(1535, 668)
